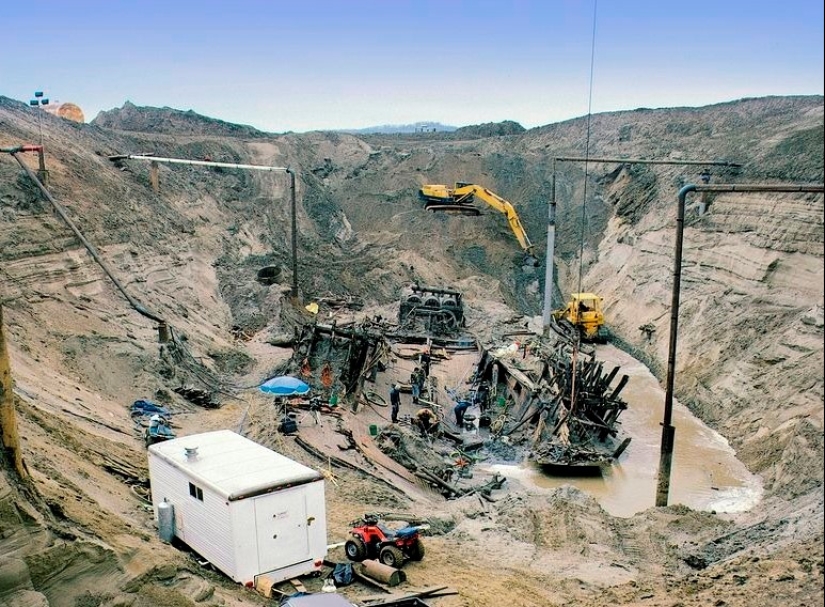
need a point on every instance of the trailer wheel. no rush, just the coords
(355, 549)
(391, 556)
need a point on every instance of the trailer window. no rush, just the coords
(196, 492)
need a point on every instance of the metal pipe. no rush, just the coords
(89, 246)
(668, 431)
(22, 148)
(294, 234)
(756, 187)
(232, 165)
(207, 163)
(549, 278)
(643, 161)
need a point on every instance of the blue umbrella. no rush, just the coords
(284, 385)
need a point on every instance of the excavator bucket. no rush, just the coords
(530, 261)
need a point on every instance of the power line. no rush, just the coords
(587, 146)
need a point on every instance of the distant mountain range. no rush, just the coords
(418, 127)
(169, 120)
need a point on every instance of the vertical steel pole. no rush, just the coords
(42, 173)
(550, 255)
(154, 178)
(294, 234)
(668, 431)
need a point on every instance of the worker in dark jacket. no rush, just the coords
(425, 360)
(459, 410)
(482, 394)
(395, 402)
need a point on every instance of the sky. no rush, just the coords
(303, 65)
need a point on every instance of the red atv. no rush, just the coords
(371, 540)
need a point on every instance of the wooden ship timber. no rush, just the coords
(561, 403)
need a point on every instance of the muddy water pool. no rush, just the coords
(705, 475)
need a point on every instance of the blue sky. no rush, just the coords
(305, 65)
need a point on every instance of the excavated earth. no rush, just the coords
(75, 528)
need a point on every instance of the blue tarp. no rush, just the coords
(147, 407)
(158, 420)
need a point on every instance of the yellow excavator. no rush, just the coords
(584, 313)
(459, 200)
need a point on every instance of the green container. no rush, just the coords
(373, 430)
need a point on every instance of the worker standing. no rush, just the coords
(315, 409)
(395, 402)
(481, 395)
(416, 383)
(459, 410)
(425, 362)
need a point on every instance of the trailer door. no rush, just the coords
(282, 530)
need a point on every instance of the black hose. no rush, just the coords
(89, 246)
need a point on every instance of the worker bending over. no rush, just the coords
(427, 421)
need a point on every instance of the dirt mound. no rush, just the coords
(750, 352)
(170, 121)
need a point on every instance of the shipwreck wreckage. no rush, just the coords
(547, 396)
(557, 399)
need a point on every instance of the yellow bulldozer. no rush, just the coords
(584, 314)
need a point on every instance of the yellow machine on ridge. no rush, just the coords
(459, 200)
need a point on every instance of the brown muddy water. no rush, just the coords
(705, 475)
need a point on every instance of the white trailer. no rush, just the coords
(249, 511)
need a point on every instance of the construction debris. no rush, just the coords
(560, 397)
(198, 397)
(434, 310)
(383, 573)
(409, 599)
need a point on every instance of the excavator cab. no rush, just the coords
(440, 198)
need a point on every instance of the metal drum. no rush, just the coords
(166, 521)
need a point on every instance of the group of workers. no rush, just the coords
(426, 419)
(419, 375)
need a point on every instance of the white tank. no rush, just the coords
(166, 521)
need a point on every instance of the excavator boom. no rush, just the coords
(442, 198)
